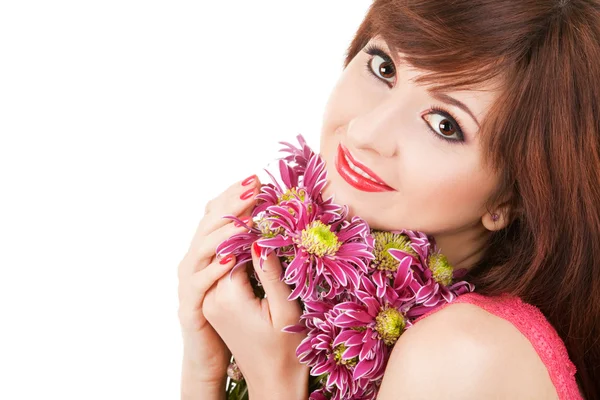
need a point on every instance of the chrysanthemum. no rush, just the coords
(239, 244)
(318, 351)
(321, 394)
(330, 253)
(303, 175)
(367, 393)
(274, 193)
(297, 156)
(393, 258)
(434, 278)
(436, 284)
(372, 325)
(419, 242)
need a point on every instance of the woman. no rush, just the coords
(480, 123)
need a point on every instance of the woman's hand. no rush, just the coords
(251, 328)
(205, 356)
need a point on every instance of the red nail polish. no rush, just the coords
(256, 247)
(247, 194)
(248, 180)
(226, 259)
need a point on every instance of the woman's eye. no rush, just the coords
(443, 125)
(382, 69)
(380, 65)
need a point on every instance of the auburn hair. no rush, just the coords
(542, 135)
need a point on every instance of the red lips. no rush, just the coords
(356, 180)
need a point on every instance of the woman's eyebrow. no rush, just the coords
(452, 101)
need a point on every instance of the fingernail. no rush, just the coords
(244, 220)
(256, 247)
(247, 194)
(248, 180)
(226, 259)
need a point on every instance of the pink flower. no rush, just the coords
(394, 257)
(302, 182)
(322, 356)
(320, 394)
(239, 244)
(303, 175)
(419, 242)
(371, 326)
(367, 393)
(436, 284)
(412, 258)
(330, 253)
(298, 155)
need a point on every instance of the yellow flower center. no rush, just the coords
(441, 269)
(337, 356)
(385, 241)
(318, 240)
(266, 229)
(390, 324)
(292, 193)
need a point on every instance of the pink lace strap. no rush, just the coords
(530, 321)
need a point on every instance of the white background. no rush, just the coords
(119, 120)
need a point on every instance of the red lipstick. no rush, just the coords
(354, 178)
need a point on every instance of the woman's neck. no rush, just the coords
(463, 248)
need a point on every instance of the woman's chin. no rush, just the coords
(332, 190)
(365, 210)
(341, 197)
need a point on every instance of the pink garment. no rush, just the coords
(530, 321)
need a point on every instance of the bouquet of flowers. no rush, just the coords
(360, 288)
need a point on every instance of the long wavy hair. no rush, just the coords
(542, 134)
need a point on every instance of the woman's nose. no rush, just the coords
(376, 131)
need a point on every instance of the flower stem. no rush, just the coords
(244, 394)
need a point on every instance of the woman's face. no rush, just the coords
(436, 182)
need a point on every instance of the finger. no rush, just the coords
(198, 258)
(227, 193)
(209, 246)
(236, 285)
(200, 282)
(234, 201)
(283, 311)
(233, 206)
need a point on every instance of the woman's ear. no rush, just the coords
(497, 218)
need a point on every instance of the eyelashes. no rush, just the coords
(437, 110)
(375, 50)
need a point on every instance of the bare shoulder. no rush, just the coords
(464, 352)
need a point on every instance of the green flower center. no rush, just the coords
(385, 241)
(318, 239)
(441, 269)
(390, 324)
(337, 356)
(292, 193)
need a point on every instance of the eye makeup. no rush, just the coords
(375, 51)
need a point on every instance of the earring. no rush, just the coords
(495, 217)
